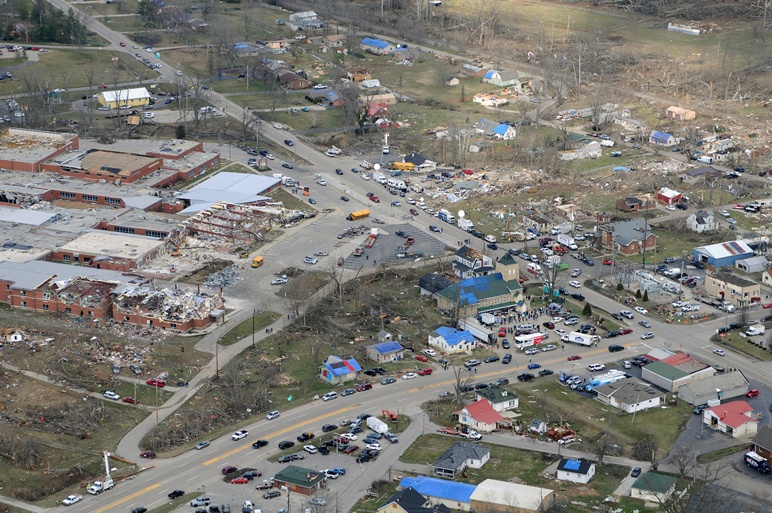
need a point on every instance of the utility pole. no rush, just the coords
(254, 312)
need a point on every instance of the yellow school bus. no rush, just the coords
(359, 214)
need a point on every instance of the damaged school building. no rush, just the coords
(98, 295)
(86, 229)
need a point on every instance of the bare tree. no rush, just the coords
(704, 494)
(461, 383)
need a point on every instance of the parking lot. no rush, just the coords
(386, 247)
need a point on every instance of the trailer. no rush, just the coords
(583, 338)
(446, 216)
(534, 339)
(756, 462)
(465, 224)
(611, 376)
(377, 425)
(480, 331)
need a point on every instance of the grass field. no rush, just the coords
(744, 345)
(244, 329)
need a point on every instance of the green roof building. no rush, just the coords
(299, 479)
(653, 487)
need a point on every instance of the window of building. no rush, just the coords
(157, 235)
(24, 304)
(45, 307)
(66, 258)
(123, 229)
(67, 195)
(68, 310)
(173, 325)
(46, 296)
(89, 197)
(23, 293)
(113, 201)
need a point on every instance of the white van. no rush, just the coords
(534, 268)
(330, 395)
(490, 238)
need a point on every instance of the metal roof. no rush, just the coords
(32, 274)
(234, 188)
(126, 94)
(725, 249)
(528, 498)
(24, 216)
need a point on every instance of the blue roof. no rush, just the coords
(453, 336)
(332, 96)
(572, 464)
(377, 43)
(388, 347)
(489, 74)
(501, 129)
(660, 136)
(338, 367)
(440, 488)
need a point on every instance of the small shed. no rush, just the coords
(538, 426)
(752, 265)
(653, 487)
(384, 336)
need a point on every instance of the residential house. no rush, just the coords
(503, 78)
(723, 254)
(662, 138)
(631, 124)
(335, 370)
(470, 263)
(292, 80)
(636, 203)
(701, 174)
(299, 480)
(358, 74)
(481, 294)
(766, 278)
(762, 442)
(459, 457)
(628, 237)
(738, 291)
(501, 399)
(724, 386)
(470, 70)
(495, 130)
(752, 265)
(568, 211)
(584, 150)
(680, 113)
(378, 112)
(669, 196)
(430, 284)
(629, 396)
(452, 341)
(489, 100)
(575, 471)
(376, 46)
(702, 221)
(136, 97)
(420, 162)
(734, 418)
(496, 496)
(479, 416)
(653, 487)
(385, 352)
(334, 40)
(454, 495)
(478, 146)
(408, 500)
(537, 221)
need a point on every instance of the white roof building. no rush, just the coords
(236, 188)
(123, 95)
(503, 497)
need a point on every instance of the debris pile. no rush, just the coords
(166, 305)
(224, 278)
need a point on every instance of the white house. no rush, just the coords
(460, 456)
(500, 399)
(735, 418)
(576, 471)
(629, 395)
(480, 416)
(451, 341)
(591, 150)
(702, 221)
(653, 487)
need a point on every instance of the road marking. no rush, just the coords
(192, 478)
(279, 433)
(127, 498)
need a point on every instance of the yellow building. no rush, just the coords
(124, 98)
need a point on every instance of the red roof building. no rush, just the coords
(735, 418)
(480, 415)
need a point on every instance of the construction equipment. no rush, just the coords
(389, 415)
(98, 487)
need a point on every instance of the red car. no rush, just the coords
(375, 199)
(421, 358)
(574, 357)
(102, 86)
(130, 400)
(502, 332)
(753, 392)
(425, 372)
(364, 386)
(148, 454)
(468, 172)
(625, 331)
(606, 261)
(228, 470)
(409, 241)
(239, 480)
(413, 212)
(350, 449)
(765, 306)
(155, 382)
(123, 44)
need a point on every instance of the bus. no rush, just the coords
(359, 214)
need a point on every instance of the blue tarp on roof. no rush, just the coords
(489, 74)
(453, 336)
(388, 347)
(660, 136)
(440, 488)
(377, 43)
(501, 129)
(573, 464)
(338, 367)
